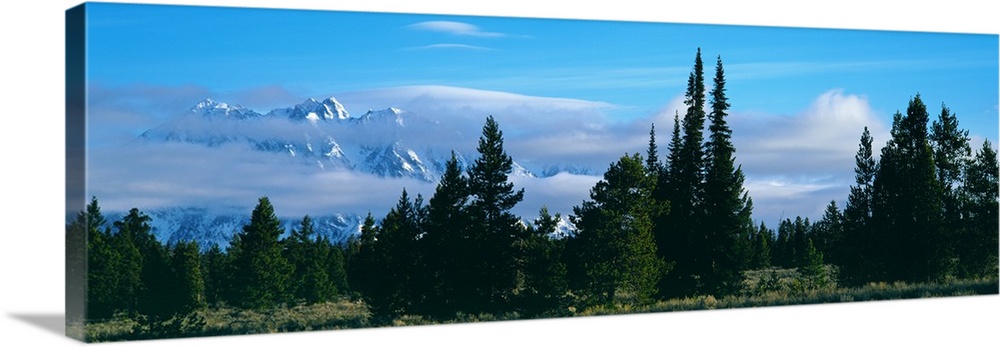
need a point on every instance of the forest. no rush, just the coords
(658, 233)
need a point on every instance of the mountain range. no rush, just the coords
(322, 134)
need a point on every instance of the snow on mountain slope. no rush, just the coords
(384, 143)
(172, 225)
(314, 111)
(387, 143)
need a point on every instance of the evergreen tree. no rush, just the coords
(762, 240)
(261, 272)
(128, 266)
(102, 268)
(783, 249)
(217, 277)
(310, 280)
(544, 286)
(727, 225)
(906, 205)
(951, 149)
(494, 227)
(951, 155)
(852, 255)
(335, 265)
(394, 269)
(978, 243)
(653, 166)
(827, 232)
(812, 270)
(362, 267)
(799, 242)
(678, 232)
(76, 270)
(188, 289)
(668, 238)
(447, 245)
(615, 236)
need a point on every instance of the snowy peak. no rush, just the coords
(214, 109)
(314, 111)
(394, 160)
(388, 116)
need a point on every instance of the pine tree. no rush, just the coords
(447, 245)
(76, 271)
(494, 227)
(827, 233)
(102, 262)
(129, 261)
(727, 225)
(678, 232)
(762, 240)
(653, 166)
(780, 250)
(979, 195)
(217, 277)
(854, 251)
(615, 236)
(261, 272)
(906, 205)
(812, 270)
(188, 289)
(395, 287)
(951, 155)
(544, 285)
(363, 271)
(951, 149)
(310, 280)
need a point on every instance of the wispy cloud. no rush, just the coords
(452, 46)
(454, 28)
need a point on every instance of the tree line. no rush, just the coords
(129, 272)
(653, 228)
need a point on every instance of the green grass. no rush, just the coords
(341, 314)
(762, 288)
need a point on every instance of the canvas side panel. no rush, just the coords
(76, 233)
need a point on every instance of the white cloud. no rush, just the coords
(558, 193)
(454, 28)
(822, 138)
(795, 164)
(231, 178)
(533, 126)
(453, 46)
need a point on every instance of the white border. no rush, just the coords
(31, 131)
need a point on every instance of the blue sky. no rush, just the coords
(800, 97)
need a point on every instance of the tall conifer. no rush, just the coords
(616, 237)
(678, 232)
(494, 226)
(447, 244)
(261, 272)
(906, 205)
(727, 224)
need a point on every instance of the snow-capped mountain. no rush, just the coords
(321, 134)
(213, 109)
(171, 225)
(387, 143)
(314, 111)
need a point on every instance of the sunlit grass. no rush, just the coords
(762, 288)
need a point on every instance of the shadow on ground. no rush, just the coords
(51, 322)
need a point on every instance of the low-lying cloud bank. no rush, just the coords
(795, 164)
